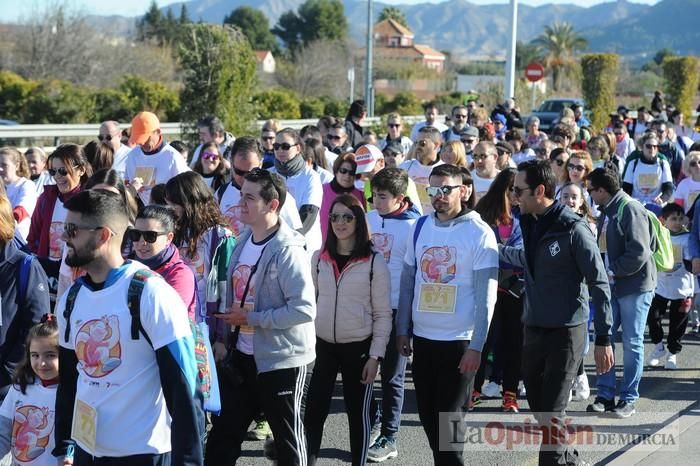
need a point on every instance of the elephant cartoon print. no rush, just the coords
(97, 346)
(31, 429)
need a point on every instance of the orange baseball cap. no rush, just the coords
(142, 126)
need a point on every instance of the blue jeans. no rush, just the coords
(629, 312)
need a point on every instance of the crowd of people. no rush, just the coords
(191, 292)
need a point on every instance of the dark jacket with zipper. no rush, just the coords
(559, 258)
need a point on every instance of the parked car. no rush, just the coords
(548, 112)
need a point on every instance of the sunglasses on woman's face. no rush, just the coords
(148, 236)
(342, 218)
(282, 146)
(346, 171)
(578, 168)
(210, 156)
(63, 171)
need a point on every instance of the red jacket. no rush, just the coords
(38, 238)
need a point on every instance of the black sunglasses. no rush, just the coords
(282, 146)
(71, 229)
(559, 162)
(341, 218)
(345, 171)
(102, 138)
(440, 190)
(63, 171)
(334, 137)
(393, 126)
(148, 236)
(240, 172)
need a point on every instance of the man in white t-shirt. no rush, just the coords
(211, 129)
(447, 295)
(431, 115)
(485, 167)
(427, 150)
(647, 176)
(245, 156)
(110, 133)
(152, 161)
(127, 385)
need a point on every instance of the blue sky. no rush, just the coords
(11, 10)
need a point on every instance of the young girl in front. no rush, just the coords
(28, 413)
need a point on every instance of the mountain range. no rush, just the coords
(470, 31)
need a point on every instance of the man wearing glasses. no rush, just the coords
(338, 139)
(648, 175)
(274, 338)
(459, 124)
(394, 126)
(129, 377)
(447, 295)
(562, 265)
(110, 134)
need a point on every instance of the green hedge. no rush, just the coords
(599, 72)
(681, 75)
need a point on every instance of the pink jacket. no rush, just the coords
(350, 307)
(179, 275)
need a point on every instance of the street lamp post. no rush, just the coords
(369, 100)
(509, 87)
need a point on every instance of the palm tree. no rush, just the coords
(558, 43)
(390, 12)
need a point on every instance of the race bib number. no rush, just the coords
(147, 174)
(437, 297)
(84, 429)
(648, 181)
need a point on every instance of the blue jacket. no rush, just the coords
(17, 321)
(562, 263)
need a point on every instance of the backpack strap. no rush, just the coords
(138, 281)
(23, 281)
(416, 232)
(70, 304)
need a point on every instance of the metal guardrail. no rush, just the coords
(23, 132)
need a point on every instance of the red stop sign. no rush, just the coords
(534, 72)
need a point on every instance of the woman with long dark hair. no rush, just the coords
(201, 235)
(353, 324)
(71, 170)
(497, 209)
(344, 174)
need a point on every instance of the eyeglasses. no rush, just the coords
(148, 236)
(578, 168)
(282, 146)
(618, 134)
(481, 156)
(210, 156)
(240, 172)
(63, 171)
(468, 141)
(390, 125)
(102, 138)
(434, 191)
(71, 229)
(518, 191)
(651, 146)
(559, 162)
(342, 218)
(334, 137)
(346, 171)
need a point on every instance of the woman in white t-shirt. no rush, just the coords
(20, 190)
(647, 175)
(36, 161)
(689, 188)
(211, 166)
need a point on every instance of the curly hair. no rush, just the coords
(200, 209)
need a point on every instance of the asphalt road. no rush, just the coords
(664, 396)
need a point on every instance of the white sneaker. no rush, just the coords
(522, 393)
(581, 389)
(657, 355)
(491, 390)
(671, 362)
